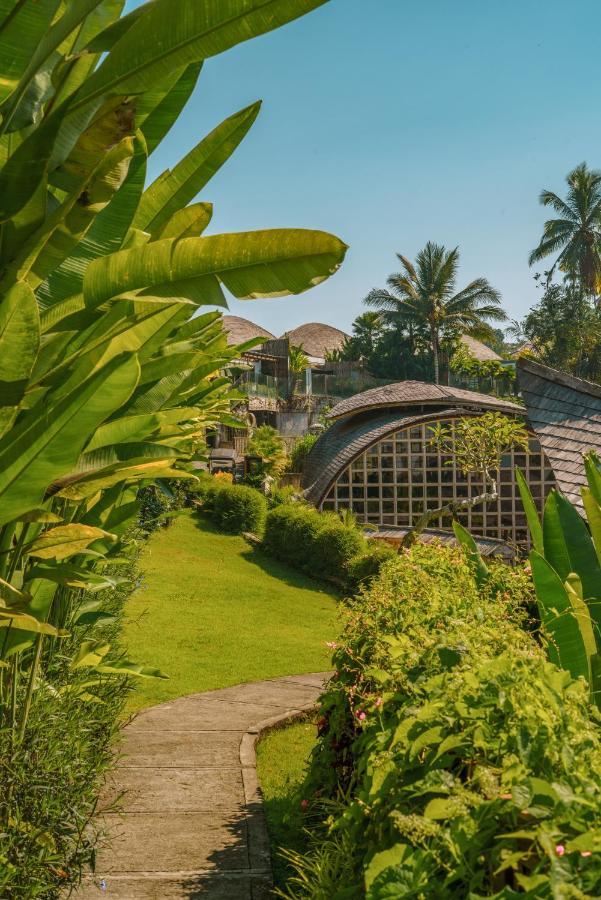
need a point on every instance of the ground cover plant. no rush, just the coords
(109, 378)
(196, 582)
(454, 760)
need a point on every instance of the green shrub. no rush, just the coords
(204, 490)
(317, 543)
(364, 568)
(469, 765)
(278, 496)
(158, 503)
(267, 443)
(335, 546)
(236, 508)
(300, 452)
(48, 833)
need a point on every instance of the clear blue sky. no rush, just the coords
(393, 122)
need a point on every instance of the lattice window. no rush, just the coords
(394, 481)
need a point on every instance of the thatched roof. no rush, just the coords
(317, 339)
(419, 393)
(565, 413)
(479, 350)
(240, 330)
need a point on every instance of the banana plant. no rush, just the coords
(566, 570)
(110, 373)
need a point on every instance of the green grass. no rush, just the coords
(282, 757)
(213, 612)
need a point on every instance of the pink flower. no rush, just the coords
(304, 804)
(331, 645)
(361, 715)
(586, 853)
(560, 849)
(378, 701)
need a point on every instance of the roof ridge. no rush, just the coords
(547, 373)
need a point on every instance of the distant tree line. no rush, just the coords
(413, 326)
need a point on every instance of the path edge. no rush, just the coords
(259, 846)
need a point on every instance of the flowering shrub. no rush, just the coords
(453, 759)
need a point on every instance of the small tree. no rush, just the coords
(476, 445)
(267, 443)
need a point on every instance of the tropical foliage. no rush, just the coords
(109, 377)
(564, 330)
(463, 362)
(266, 443)
(423, 299)
(566, 569)
(454, 760)
(576, 234)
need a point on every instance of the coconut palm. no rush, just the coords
(367, 328)
(576, 234)
(298, 362)
(422, 298)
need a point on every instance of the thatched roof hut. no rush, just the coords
(317, 339)
(240, 330)
(479, 350)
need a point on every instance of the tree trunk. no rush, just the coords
(435, 356)
(450, 509)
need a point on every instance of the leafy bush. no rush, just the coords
(469, 764)
(317, 543)
(278, 496)
(48, 833)
(236, 508)
(300, 452)
(364, 568)
(158, 503)
(267, 443)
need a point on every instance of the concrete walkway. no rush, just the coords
(191, 822)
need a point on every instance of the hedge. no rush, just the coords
(469, 766)
(317, 543)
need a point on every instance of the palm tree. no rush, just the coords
(367, 328)
(577, 233)
(423, 299)
(298, 362)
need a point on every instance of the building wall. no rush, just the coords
(396, 479)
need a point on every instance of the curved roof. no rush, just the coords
(346, 439)
(418, 393)
(240, 330)
(316, 338)
(565, 414)
(481, 352)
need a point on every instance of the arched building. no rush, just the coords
(378, 460)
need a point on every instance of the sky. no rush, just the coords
(395, 122)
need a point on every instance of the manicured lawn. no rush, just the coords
(282, 757)
(212, 612)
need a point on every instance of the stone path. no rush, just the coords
(191, 823)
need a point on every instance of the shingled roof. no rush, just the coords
(419, 393)
(317, 339)
(346, 439)
(565, 413)
(240, 330)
